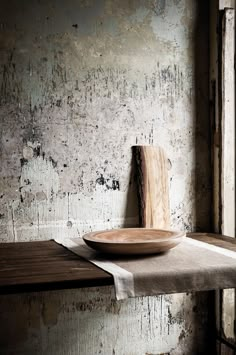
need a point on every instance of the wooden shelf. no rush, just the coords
(45, 265)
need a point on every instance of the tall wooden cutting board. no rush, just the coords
(153, 187)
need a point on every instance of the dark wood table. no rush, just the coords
(45, 265)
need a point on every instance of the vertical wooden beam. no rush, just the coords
(222, 94)
(214, 110)
(214, 90)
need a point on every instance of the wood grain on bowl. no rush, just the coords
(129, 241)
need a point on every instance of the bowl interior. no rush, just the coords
(132, 235)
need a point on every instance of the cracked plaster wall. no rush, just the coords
(81, 82)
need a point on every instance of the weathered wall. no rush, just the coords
(80, 83)
(89, 322)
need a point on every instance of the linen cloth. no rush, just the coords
(191, 266)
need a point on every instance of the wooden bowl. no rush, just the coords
(128, 241)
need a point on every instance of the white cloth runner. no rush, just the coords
(191, 266)
(123, 279)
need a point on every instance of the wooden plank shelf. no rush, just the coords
(46, 265)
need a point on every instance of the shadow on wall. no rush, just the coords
(203, 173)
(132, 206)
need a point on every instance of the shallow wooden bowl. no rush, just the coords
(128, 241)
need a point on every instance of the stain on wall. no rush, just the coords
(81, 82)
(90, 321)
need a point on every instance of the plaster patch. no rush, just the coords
(42, 175)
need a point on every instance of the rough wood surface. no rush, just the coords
(215, 239)
(153, 187)
(37, 266)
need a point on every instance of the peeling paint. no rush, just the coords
(79, 86)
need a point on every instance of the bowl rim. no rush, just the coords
(90, 237)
